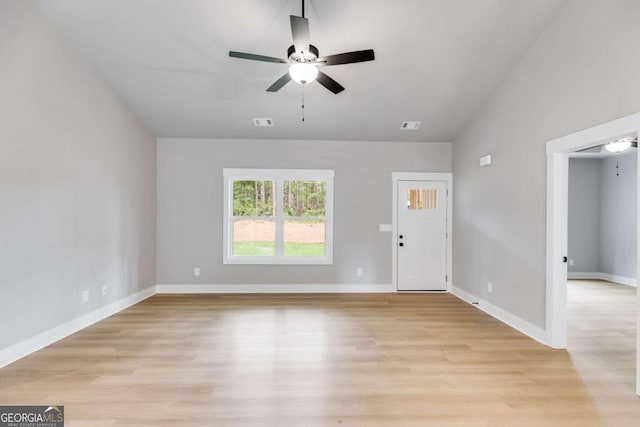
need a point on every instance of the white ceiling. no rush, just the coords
(436, 61)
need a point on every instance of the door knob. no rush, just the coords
(400, 244)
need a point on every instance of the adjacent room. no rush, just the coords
(319, 212)
(602, 262)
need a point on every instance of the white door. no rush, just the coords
(422, 236)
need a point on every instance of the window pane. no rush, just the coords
(422, 199)
(304, 198)
(253, 198)
(304, 238)
(254, 237)
(278, 216)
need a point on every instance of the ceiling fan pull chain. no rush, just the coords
(303, 103)
(617, 164)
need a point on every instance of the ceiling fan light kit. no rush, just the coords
(303, 72)
(303, 59)
(620, 145)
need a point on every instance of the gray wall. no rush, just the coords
(190, 212)
(585, 202)
(77, 183)
(581, 71)
(618, 226)
(602, 215)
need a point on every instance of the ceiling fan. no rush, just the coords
(614, 146)
(304, 59)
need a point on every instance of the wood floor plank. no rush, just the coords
(329, 360)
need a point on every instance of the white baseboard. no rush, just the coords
(629, 281)
(31, 345)
(274, 289)
(586, 275)
(504, 316)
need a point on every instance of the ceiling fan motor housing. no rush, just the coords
(310, 56)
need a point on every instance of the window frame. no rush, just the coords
(278, 176)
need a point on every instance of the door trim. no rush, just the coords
(420, 176)
(557, 209)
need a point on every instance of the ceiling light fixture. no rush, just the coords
(619, 145)
(303, 72)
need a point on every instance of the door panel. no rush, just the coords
(422, 235)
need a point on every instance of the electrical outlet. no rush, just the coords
(196, 271)
(85, 296)
(104, 289)
(490, 287)
(359, 272)
(572, 262)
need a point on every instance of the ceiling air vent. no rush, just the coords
(410, 125)
(265, 121)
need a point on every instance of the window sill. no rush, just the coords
(247, 260)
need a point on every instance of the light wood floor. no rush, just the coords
(601, 334)
(322, 360)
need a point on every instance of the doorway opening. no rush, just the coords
(558, 151)
(602, 266)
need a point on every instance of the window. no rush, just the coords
(278, 216)
(422, 199)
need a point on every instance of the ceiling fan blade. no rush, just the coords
(348, 58)
(253, 57)
(279, 83)
(300, 33)
(329, 83)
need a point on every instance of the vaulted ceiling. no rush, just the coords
(436, 62)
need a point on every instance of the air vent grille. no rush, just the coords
(409, 125)
(263, 121)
